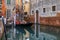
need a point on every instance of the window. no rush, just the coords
(53, 8)
(0, 8)
(0, 12)
(8, 1)
(0, 1)
(8, 13)
(24, 7)
(44, 10)
(25, 13)
(37, 11)
(32, 12)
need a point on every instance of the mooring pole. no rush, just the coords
(37, 24)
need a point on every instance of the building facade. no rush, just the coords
(46, 8)
(0, 6)
(10, 4)
(26, 6)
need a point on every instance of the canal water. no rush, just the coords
(46, 33)
(52, 30)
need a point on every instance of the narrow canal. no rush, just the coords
(46, 33)
(52, 30)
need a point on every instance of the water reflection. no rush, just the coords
(46, 33)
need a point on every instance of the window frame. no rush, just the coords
(8, 2)
(32, 11)
(44, 10)
(8, 11)
(53, 8)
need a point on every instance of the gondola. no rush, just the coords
(27, 26)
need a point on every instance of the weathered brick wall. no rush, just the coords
(55, 21)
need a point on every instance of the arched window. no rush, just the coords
(25, 13)
(32, 12)
(37, 11)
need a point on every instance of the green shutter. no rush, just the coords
(8, 1)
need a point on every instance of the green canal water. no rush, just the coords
(46, 33)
